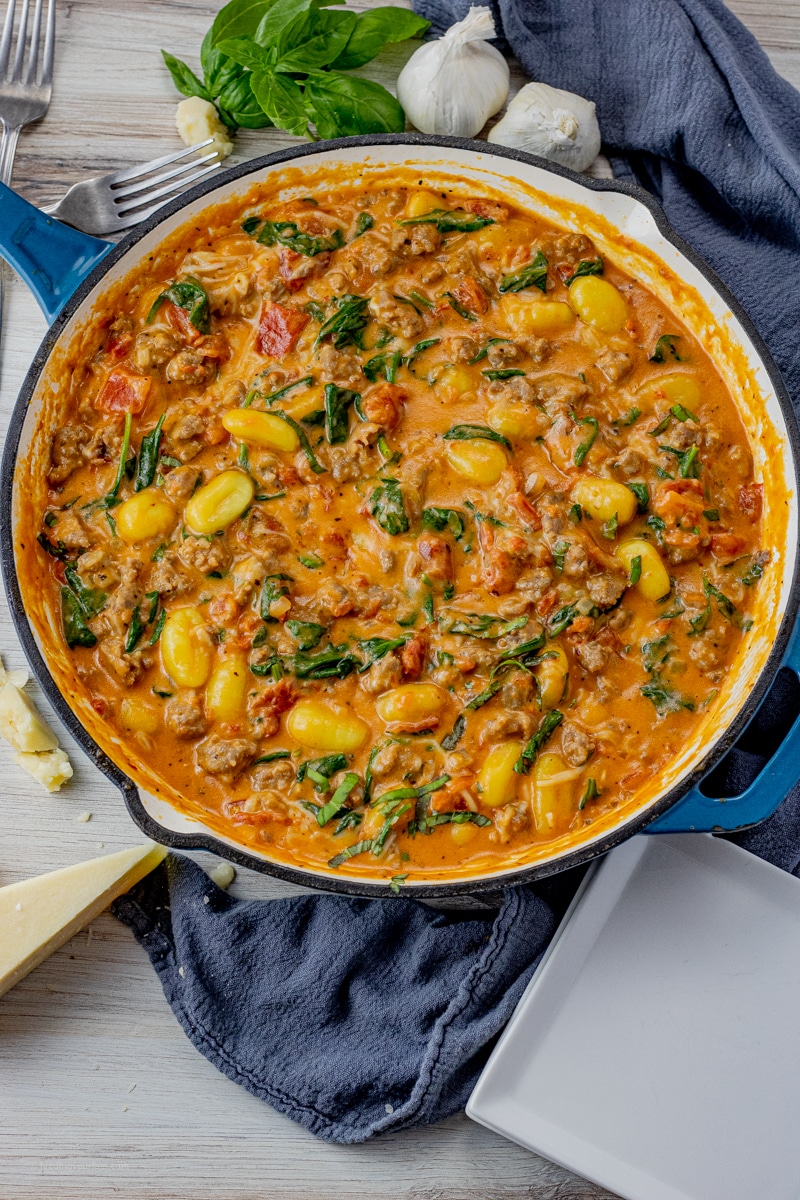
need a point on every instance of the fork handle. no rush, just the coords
(8, 148)
(52, 258)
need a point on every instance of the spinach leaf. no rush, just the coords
(346, 105)
(111, 498)
(338, 800)
(346, 326)
(76, 631)
(642, 494)
(726, 606)
(533, 275)
(350, 820)
(591, 793)
(373, 649)
(373, 30)
(664, 697)
(311, 561)
(387, 507)
(364, 222)
(92, 602)
(60, 551)
(272, 757)
(334, 663)
(271, 397)
(463, 433)
(752, 574)
(135, 631)
(272, 590)
(158, 628)
(307, 634)
(289, 234)
(609, 527)
(480, 625)
(561, 620)
(455, 735)
(350, 852)
(547, 726)
(337, 409)
(437, 519)
(148, 456)
(383, 364)
(189, 295)
(631, 415)
(587, 266)
(656, 653)
(666, 348)
(452, 220)
(458, 307)
(636, 569)
(585, 447)
(681, 413)
(305, 445)
(711, 514)
(504, 373)
(419, 349)
(461, 817)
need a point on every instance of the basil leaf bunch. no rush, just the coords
(282, 63)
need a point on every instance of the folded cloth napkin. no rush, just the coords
(358, 1017)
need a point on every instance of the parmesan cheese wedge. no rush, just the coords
(38, 915)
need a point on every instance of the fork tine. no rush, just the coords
(142, 169)
(144, 187)
(49, 43)
(8, 33)
(131, 212)
(33, 55)
(16, 74)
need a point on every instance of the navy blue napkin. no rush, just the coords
(358, 1017)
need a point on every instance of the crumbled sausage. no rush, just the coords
(607, 588)
(226, 757)
(154, 347)
(401, 317)
(66, 452)
(506, 725)
(185, 717)
(463, 349)
(576, 746)
(246, 576)
(384, 674)
(180, 483)
(614, 364)
(592, 656)
(71, 531)
(280, 775)
(168, 577)
(519, 690)
(629, 462)
(335, 366)
(503, 354)
(415, 240)
(204, 554)
(561, 389)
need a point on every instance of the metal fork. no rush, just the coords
(111, 203)
(25, 87)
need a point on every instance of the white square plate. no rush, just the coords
(656, 1050)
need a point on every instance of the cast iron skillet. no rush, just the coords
(63, 267)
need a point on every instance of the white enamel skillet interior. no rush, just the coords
(630, 229)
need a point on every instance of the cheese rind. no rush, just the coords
(38, 915)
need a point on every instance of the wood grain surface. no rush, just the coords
(101, 1095)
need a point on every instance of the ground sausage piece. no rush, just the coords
(246, 576)
(180, 483)
(203, 555)
(576, 561)
(506, 725)
(70, 530)
(606, 589)
(66, 452)
(402, 317)
(563, 389)
(518, 690)
(279, 774)
(414, 240)
(168, 577)
(502, 354)
(190, 366)
(226, 757)
(463, 349)
(614, 364)
(185, 717)
(592, 656)
(127, 595)
(98, 569)
(154, 347)
(339, 368)
(629, 462)
(576, 746)
(396, 759)
(384, 674)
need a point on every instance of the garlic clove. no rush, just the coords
(551, 123)
(453, 85)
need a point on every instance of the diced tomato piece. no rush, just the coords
(727, 546)
(118, 345)
(412, 656)
(484, 207)
(471, 295)
(279, 329)
(179, 320)
(680, 502)
(527, 513)
(124, 392)
(751, 497)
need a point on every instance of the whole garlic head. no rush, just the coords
(552, 123)
(453, 85)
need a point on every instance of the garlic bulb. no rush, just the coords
(455, 84)
(554, 124)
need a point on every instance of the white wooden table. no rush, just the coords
(100, 1093)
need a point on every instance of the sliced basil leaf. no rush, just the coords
(666, 348)
(387, 507)
(533, 275)
(453, 220)
(464, 433)
(587, 266)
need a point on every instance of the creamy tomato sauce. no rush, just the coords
(396, 528)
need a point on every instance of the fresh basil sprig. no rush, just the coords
(281, 62)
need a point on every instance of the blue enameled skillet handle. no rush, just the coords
(699, 813)
(52, 258)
